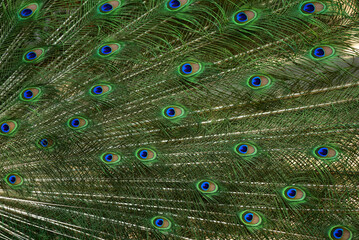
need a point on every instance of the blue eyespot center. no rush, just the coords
(5, 128)
(309, 8)
(106, 50)
(242, 17)
(205, 186)
(31, 55)
(106, 7)
(187, 68)
(248, 217)
(256, 81)
(26, 12)
(144, 154)
(12, 179)
(98, 90)
(292, 193)
(159, 222)
(319, 52)
(243, 149)
(323, 152)
(28, 94)
(109, 157)
(44, 142)
(171, 112)
(75, 122)
(338, 233)
(174, 4)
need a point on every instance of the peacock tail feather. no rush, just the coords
(179, 119)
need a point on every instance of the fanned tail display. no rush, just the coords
(179, 119)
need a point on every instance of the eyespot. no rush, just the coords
(146, 154)
(77, 123)
(244, 17)
(108, 7)
(325, 152)
(45, 143)
(8, 127)
(257, 82)
(161, 223)
(245, 149)
(174, 5)
(30, 94)
(207, 186)
(293, 194)
(108, 49)
(28, 11)
(312, 7)
(340, 233)
(322, 52)
(189, 69)
(110, 158)
(14, 180)
(33, 55)
(250, 218)
(173, 112)
(100, 90)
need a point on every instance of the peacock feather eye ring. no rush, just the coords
(45, 143)
(312, 7)
(325, 152)
(340, 233)
(207, 186)
(190, 68)
(8, 128)
(30, 94)
(100, 90)
(173, 112)
(293, 194)
(174, 5)
(245, 149)
(28, 11)
(322, 52)
(77, 123)
(33, 55)
(14, 180)
(107, 50)
(244, 16)
(259, 81)
(250, 218)
(161, 223)
(108, 7)
(110, 158)
(146, 154)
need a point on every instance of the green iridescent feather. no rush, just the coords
(179, 119)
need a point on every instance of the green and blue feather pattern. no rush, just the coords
(179, 119)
